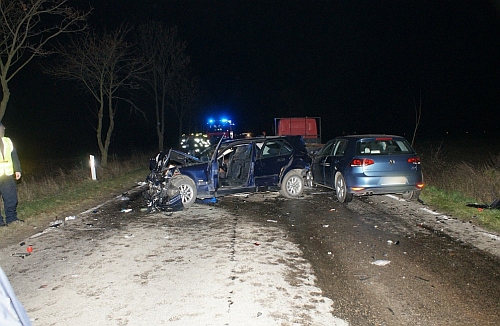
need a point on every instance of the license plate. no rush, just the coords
(393, 181)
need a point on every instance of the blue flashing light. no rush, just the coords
(222, 121)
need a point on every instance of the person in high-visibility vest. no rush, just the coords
(10, 169)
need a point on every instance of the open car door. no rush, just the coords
(213, 168)
(240, 168)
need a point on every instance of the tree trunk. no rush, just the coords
(159, 129)
(5, 99)
(100, 115)
(111, 126)
(180, 129)
(160, 138)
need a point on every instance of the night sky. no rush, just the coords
(359, 65)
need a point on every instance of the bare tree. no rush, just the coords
(24, 34)
(183, 96)
(167, 58)
(106, 66)
(418, 115)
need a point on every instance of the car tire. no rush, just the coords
(292, 185)
(411, 195)
(187, 190)
(341, 189)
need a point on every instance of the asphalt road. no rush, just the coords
(385, 261)
(259, 259)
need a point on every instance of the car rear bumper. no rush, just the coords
(382, 190)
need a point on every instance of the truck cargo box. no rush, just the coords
(307, 127)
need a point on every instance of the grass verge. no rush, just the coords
(79, 196)
(66, 193)
(463, 172)
(454, 203)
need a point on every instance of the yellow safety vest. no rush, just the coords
(6, 165)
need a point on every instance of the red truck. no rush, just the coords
(307, 127)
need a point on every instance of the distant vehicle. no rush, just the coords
(231, 166)
(221, 128)
(307, 127)
(360, 165)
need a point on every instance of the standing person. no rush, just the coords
(10, 168)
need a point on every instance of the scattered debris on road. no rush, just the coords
(494, 205)
(55, 224)
(381, 262)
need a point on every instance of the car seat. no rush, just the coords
(240, 164)
(374, 148)
(272, 151)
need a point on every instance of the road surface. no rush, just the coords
(259, 259)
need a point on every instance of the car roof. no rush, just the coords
(260, 138)
(296, 141)
(371, 136)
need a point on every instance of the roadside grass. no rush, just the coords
(457, 174)
(453, 203)
(61, 193)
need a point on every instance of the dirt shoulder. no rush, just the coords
(417, 216)
(17, 233)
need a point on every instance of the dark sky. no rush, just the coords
(359, 65)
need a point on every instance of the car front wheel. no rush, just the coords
(292, 185)
(187, 190)
(341, 189)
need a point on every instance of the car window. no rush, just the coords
(286, 148)
(259, 145)
(272, 148)
(384, 147)
(340, 147)
(226, 152)
(242, 152)
(327, 149)
(208, 152)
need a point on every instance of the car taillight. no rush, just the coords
(420, 185)
(414, 160)
(362, 162)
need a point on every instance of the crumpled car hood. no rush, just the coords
(179, 158)
(173, 158)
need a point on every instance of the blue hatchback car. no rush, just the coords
(360, 165)
(231, 166)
